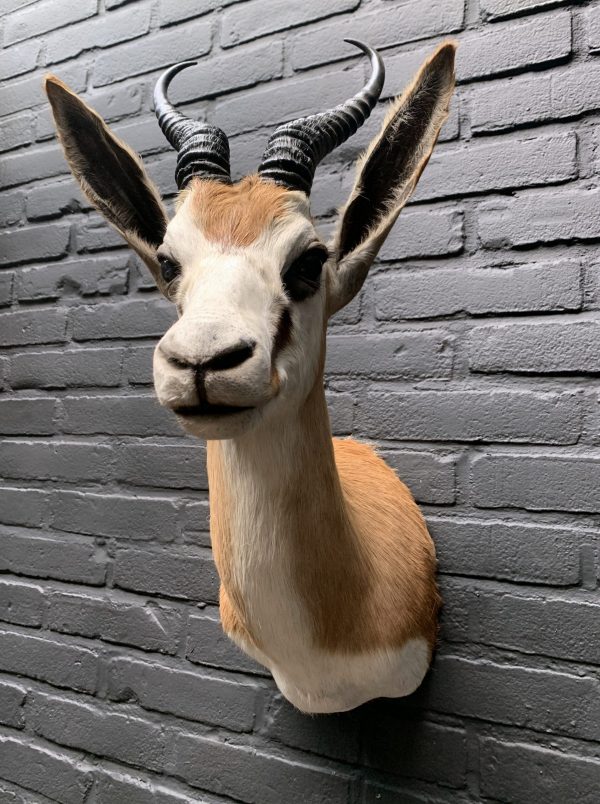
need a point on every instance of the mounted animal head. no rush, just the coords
(253, 282)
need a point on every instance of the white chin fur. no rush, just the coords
(214, 428)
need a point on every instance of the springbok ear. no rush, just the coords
(388, 173)
(110, 174)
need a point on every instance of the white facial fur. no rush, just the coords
(228, 295)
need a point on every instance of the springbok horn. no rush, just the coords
(202, 149)
(295, 149)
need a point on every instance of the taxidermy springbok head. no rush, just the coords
(327, 569)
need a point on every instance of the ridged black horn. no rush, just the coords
(202, 149)
(295, 149)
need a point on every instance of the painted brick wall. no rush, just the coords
(472, 358)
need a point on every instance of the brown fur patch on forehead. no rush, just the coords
(234, 214)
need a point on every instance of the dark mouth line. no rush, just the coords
(207, 409)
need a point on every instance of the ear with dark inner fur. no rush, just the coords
(110, 174)
(389, 171)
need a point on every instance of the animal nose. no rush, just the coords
(228, 358)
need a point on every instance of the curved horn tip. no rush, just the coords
(377, 66)
(163, 81)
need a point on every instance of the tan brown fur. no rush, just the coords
(363, 561)
(235, 214)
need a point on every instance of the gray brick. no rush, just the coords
(45, 771)
(129, 319)
(144, 625)
(12, 5)
(48, 659)
(28, 93)
(530, 287)
(171, 13)
(335, 735)
(115, 515)
(117, 415)
(12, 206)
(138, 365)
(33, 243)
(378, 793)
(105, 733)
(539, 217)
(499, 165)
(510, 551)
(393, 25)
(500, 105)
(418, 749)
(15, 61)
(34, 21)
(242, 23)
(237, 771)
(516, 772)
(143, 135)
(113, 786)
(286, 100)
(12, 698)
(23, 506)
(431, 478)
(536, 41)
(65, 558)
(112, 103)
(408, 355)
(196, 523)
(150, 54)
(93, 234)
(566, 93)
(25, 166)
(181, 574)
(6, 288)
(561, 625)
(341, 413)
(556, 482)
(234, 70)
(592, 21)
(54, 199)
(163, 465)
(575, 91)
(15, 794)
(552, 348)
(66, 369)
(21, 603)
(32, 416)
(517, 416)
(84, 277)
(547, 701)
(101, 32)
(494, 9)
(55, 460)
(208, 645)
(425, 233)
(186, 694)
(27, 327)
(16, 131)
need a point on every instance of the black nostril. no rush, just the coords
(182, 364)
(230, 358)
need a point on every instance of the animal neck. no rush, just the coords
(280, 475)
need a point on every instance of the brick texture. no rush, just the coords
(470, 360)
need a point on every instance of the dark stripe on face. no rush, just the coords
(283, 334)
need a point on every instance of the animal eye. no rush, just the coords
(168, 269)
(303, 277)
